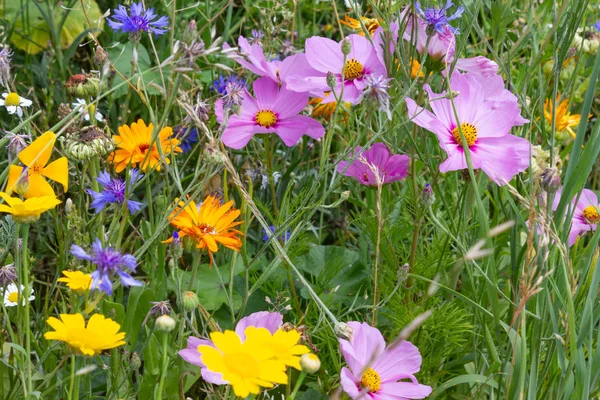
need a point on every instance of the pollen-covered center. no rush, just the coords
(206, 229)
(371, 380)
(143, 147)
(590, 213)
(353, 69)
(266, 118)
(468, 130)
(12, 99)
(13, 297)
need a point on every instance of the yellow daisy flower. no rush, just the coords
(207, 225)
(564, 119)
(28, 211)
(100, 333)
(370, 23)
(283, 344)
(77, 281)
(246, 366)
(135, 146)
(36, 157)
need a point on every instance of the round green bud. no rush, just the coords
(165, 323)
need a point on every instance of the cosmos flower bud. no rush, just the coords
(190, 301)
(427, 196)
(343, 331)
(346, 46)
(310, 363)
(331, 80)
(165, 323)
(550, 179)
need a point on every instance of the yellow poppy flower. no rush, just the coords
(100, 333)
(283, 344)
(246, 366)
(77, 281)
(135, 146)
(564, 119)
(207, 225)
(370, 23)
(36, 157)
(27, 211)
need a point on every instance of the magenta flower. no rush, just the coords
(585, 215)
(374, 371)
(325, 55)
(274, 110)
(485, 124)
(269, 320)
(439, 46)
(390, 168)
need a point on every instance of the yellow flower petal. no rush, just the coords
(39, 151)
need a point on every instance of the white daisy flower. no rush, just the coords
(85, 109)
(14, 103)
(11, 295)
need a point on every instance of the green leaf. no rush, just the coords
(114, 311)
(138, 306)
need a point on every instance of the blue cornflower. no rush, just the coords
(597, 25)
(436, 18)
(109, 262)
(114, 191)
(139, 20)
(284, 238)
(187, 136)
(256, 36)
(220, 85)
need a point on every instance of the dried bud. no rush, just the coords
(343, 331)
(346, 46)
(22, 185)
(136, 363)
(83, 85)
(427, 196)
(165, 323)
(310, 363)
(331, 80)
(100, 57)
(16, 144)
(550, 179)
(190, 301)
(160, 307)
(8, 274)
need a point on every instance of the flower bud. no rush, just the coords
(190, 301)
(165, 323)
(8, 274)
(346, 46)
(550, 179)
(331, 80)
(427, 196)
(100, 57)
(343, 331)
(22, 184)
(68, 206)
(136, 363)
(310, 363)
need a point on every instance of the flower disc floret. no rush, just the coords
(469, 131)
(12, 99)
(353, 69)
(266, 118)
(590, 213)
(370, 380)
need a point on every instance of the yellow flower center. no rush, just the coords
(266, 118)
(371, 380)
(353, 69)
(241, 364)
(92, 109)
(590, 213)
(12, 99)
(468, 130)
(13, 297)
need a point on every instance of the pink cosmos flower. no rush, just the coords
(252, 57)
(477, 65)
(269, 320)
(379, 40)
(485, 124)
(374, 371)
(325, 55)
(274, 110)
(390, 168)
(441, 45)
(585, 215)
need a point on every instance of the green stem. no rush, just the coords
(73, 390)
(25, 303)
(195, 264)
(298, 384)
(165, 360)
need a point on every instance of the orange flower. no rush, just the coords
(35, 157)
(136, 147)
(415, 66)
(564, 119)
(370, 23)
(208, 224)
(325, 110)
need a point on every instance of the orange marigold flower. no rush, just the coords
(564, 119)
(136, 147)
(370, 23)
(207, 225)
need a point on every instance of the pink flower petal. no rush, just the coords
(263, 319)
(265, 91)
(289, 103)
(324, 54)
(402, 391)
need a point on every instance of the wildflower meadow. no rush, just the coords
(299, 200)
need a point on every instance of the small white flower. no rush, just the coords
(11, 295)
(13, 103)
(84, 110)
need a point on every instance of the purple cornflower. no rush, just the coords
(376, 90)
(188, 137)
(284, 238)
(222, 82)
(256, 36)
(109, 262)
(114, 191)
(436, 18)
(139, 20)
